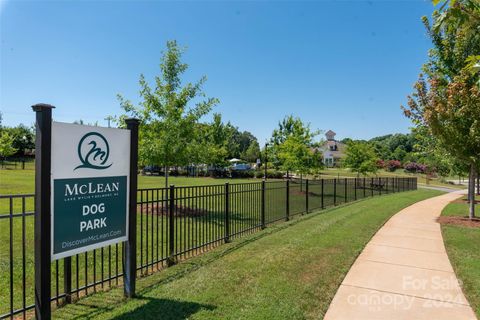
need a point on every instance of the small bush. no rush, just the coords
(243, 174)
(414, 167)
(380, 164)
(274, 174)
(393, 165)
(259, 174)
(271, 174)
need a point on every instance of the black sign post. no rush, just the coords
(43, 145)
(131, 244)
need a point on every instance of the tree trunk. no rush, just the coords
(478, 184)
(471, 191)
(166, 177)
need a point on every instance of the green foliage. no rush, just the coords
(447, 100)
(294, 155)
(252, 153)
(23, 137)
(168, 111)
(292, 146)
(292, 126)
(361, 158)
(394, 146)
(6, 145)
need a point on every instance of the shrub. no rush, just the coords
(380, 164)
(414, 167)
(217, 173)
(271, 174)
(393, 165)
(259, 174)
(243, 174)
(274, 174)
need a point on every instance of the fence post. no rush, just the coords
(346, 185)
(306, 195)
(335, 192)
(171, 226)
(42, 224)
(287, 211)
(227, 212)
(364, 187)
(355, 188)
(131, 244)
(67, 279)
(380, 186)
(323, 206)
(263, 205)
(371, 187)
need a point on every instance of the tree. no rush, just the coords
(361, 158)
(23, 137)
(6, 145)
(217, 137)
(447, 99)
(294, 155)
(168, 112)
(299, 137)
(252, 153)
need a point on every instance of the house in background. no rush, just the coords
(333, 151)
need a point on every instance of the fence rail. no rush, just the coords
(173, 224)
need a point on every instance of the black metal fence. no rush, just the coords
(26, 163)
(173, 224)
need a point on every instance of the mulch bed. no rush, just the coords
(464, 201)
(459, 221)
(302, 193)
(161, 209)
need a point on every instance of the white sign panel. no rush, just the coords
(90, 187)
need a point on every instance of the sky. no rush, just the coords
(340, 65)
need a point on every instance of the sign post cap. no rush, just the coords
(41, 107)
(132, 120)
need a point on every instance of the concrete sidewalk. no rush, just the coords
(404, 272)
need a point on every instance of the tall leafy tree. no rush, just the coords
(361, 158)
(168, 111)
(217, 140)
(252, 153)
(446, 100)
(293, 146)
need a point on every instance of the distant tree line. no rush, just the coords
(15, 140)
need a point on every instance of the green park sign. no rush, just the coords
(90, 181)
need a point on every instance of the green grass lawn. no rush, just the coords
(462, 248)
(288, 271)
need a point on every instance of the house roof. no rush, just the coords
(330, 132)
